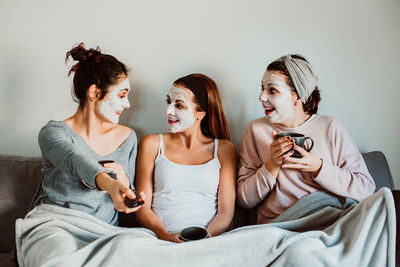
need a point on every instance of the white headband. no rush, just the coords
(302, 75)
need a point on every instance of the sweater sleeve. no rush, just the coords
(254, 180)
(347, 175)
(57, 147)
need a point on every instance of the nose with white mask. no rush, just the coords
(276, 97)
(113, 106)
(179, 110)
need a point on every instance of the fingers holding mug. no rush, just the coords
(308, 161)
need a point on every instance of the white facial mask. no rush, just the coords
(114, 105)
(179, 119)
(278, 104)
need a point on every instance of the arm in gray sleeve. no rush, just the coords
(57, 147)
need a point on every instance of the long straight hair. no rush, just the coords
(214, 124)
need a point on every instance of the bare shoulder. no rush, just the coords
(150, 143)
(227, 156)
(226, 147)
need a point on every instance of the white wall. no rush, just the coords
(353, 46)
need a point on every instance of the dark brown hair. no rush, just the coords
(93, 67)
(311, 105)
(214, 124)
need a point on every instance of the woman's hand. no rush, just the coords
(119, 171)
(308, 163)
(170, 237)
(279, 150)
(117, 190)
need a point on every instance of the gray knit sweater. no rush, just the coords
(70, 167)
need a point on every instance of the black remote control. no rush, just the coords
(132, 203)
(102, 162)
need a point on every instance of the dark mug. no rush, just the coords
(193, 233)
(299, 140)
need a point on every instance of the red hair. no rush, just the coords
(214, 124)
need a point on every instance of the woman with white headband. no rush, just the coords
(269, 176)
(188, 174)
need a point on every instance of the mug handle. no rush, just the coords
(312, 143)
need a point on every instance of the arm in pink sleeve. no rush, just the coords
(348, 175)
(254, 180)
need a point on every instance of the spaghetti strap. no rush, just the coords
(215, 148)
(161, 146)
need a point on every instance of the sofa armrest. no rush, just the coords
(19, 180)
(379, 169)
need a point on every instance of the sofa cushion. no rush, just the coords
(19, 180)
(379, 169)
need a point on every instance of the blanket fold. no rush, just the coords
(319, 230)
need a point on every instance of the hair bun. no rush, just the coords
(81, 54)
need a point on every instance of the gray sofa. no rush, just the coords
(20, 179)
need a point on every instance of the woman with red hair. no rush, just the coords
(188, 174)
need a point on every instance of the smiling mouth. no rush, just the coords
(269, 110)
(172, 121)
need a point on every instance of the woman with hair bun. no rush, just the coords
(72, 148)
(188, 174)
(270, 177)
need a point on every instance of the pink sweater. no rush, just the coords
(343, 171)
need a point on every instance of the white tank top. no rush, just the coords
(185, 195)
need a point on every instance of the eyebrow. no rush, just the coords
(177, 100)
(262, 85)
(273, 84)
